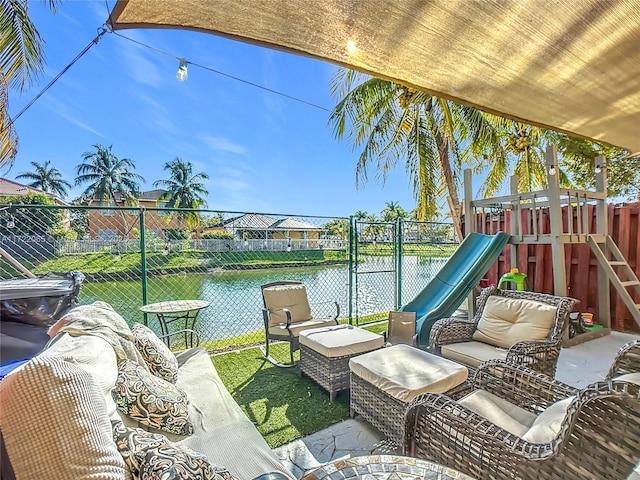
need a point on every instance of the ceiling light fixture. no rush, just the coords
(182, 74)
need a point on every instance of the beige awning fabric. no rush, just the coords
(571, 65)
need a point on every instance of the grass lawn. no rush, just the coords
(281, 404)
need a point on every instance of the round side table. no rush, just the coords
(385, 467)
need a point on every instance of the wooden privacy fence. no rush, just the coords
(581, 265)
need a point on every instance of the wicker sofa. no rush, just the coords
(65, 429)
(524, 328)
(542, 429)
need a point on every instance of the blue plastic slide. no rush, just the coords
(446, 292)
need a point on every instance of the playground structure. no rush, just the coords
(528, 223)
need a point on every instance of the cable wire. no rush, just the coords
(204, 67)
(101, 32)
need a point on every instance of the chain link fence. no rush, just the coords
(138, 256)
(393, 262)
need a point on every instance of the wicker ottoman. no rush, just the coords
(384, 382)
(325, 354)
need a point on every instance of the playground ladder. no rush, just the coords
(611, 269)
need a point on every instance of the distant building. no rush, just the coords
(11, 188)
(253, 226)
(110, 224)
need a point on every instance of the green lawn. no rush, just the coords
(281, 404)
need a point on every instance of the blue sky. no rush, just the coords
(263, 152)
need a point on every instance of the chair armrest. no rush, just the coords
(178, 332)
(520, 385)
(267, 312)
(436, 421)
(539, 355)
(451, 330)
(627, 360)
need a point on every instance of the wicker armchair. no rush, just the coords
(597, 438)
(286, 312)
(627, 360)
(457, 338)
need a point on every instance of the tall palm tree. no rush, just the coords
(184, 189)
(392, 122)
(108, 176)
(21, 63)
(46, 178)
(393, 211)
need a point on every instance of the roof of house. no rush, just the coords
(13, 188)
(259, 221)
(150, 195)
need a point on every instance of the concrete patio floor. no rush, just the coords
(578, 366)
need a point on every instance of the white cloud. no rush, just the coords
(137, 65)
(224, 145)
(63, 110)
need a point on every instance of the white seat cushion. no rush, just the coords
(405, 372)
(298, 327)
(340, 340)
(507, 416)
(473, 353)
(506, 321)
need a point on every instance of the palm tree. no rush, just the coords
(392, 122)
(46, 178)
(21, 62)
(393, 211)
(184, 189)
(108, 176)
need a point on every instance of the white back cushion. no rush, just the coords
(506, 321)
(547, 426)
(55, 424)
(293, 297)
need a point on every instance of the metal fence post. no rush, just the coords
(143, 263)
(351, 248)
(398, 249)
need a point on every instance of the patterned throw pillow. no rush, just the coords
(152, 456)
(160, 360)
(150, 400)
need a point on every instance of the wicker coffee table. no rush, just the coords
(325, 353)
(385, 467)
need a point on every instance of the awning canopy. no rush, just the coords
(570, 65)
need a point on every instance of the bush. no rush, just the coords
(178, 234)
(218, 235)
(64, 233)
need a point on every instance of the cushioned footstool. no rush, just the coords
(325, 354)
(384, 382)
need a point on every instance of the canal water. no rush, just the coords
(236, 299)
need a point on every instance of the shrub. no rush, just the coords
(178, 234)
(218, 235)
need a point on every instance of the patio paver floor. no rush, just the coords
(578, 366)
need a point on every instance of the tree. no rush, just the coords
(21, 63)
(393, 211)
(48, 179)
(108, 176)
(184, 189)
(393, 122)
(577, 159)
